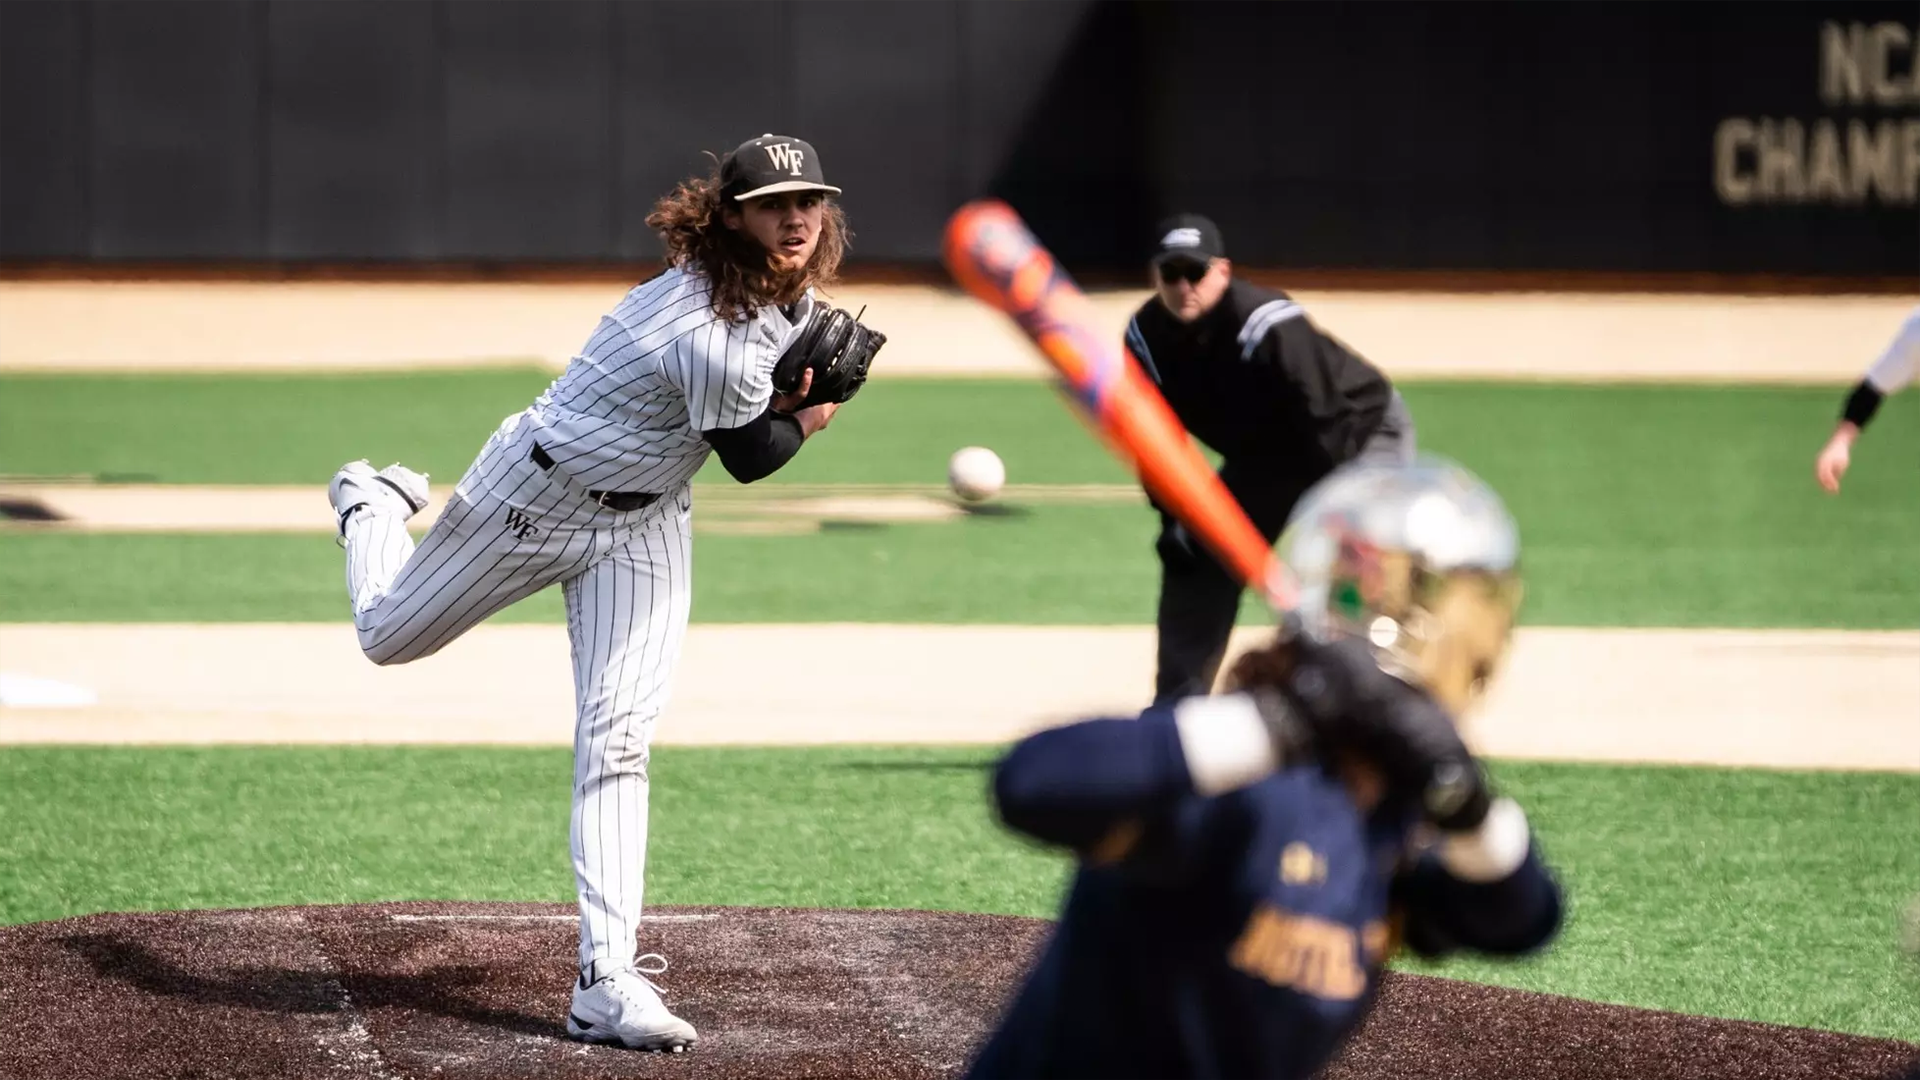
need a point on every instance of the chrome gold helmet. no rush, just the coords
(1420, 560)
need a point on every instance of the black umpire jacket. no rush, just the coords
(1259, 383)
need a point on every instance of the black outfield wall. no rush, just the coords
(1746, 138)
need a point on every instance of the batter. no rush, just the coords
(1249, 861)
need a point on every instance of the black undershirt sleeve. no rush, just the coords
(757, 448)
(1862, 404)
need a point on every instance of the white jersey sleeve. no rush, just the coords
(725, 376)
(1897, 367)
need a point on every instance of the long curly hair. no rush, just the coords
(1268, 665)
(690, 222)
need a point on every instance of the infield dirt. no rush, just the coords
(255, 326)
(479, 992)
(1830, 699)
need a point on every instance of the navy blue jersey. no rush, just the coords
(1238, 935)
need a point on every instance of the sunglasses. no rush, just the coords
(1189, 272)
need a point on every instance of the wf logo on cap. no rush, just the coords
(1181, 238)
(785, 156)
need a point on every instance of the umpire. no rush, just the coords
(1282, 402)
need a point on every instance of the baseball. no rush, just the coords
(975, 473)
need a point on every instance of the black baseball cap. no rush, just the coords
(770, 165)
(1187, 238)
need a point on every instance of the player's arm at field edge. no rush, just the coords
(1889, 373)
(1100, 785)
(1486, 890)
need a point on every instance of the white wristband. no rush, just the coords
(1225, 742)
(1492, 851)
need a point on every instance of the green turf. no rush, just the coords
(1752, 894)
(1758, 895)
(1060, 564)
(1564, 452)
(230, 429)
(1639, 506)
(297, 429)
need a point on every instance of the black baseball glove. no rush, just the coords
(837, 348)
(1337, 698)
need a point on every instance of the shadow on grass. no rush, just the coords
(980, 765)
(995, 510)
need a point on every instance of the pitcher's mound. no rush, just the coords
(480, 991)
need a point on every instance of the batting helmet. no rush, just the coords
(1420, 560)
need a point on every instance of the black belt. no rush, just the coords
(624, 502)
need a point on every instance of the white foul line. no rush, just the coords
(357, 1039)
(538, 918)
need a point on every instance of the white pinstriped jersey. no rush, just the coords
(661, 368)
(1897, 367)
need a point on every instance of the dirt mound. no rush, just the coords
(1440, 1029)
(480, 991)
(1415, 331)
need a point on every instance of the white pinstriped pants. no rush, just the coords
(509, 530)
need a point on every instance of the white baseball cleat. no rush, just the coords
(624, 1009)
(411, 485)
(357, 484)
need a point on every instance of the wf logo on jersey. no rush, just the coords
(784, 156)
(520, 525)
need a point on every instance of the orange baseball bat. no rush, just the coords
(995, 257)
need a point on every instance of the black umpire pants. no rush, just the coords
(1199, 598)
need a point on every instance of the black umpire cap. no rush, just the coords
(770, 165)
(1188, 238)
